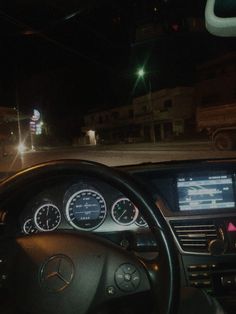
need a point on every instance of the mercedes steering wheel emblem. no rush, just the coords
(57, 273)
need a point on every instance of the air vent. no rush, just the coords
(194, 236)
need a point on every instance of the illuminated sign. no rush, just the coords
(36, 115)
(35, 124)
(32, 127)
(38, 129)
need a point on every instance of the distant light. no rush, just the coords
(21, 148)
(92, 137)
(155, 9)
(12, 133)
(141, 72)
(41, 123)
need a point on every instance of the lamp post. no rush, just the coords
(141, 74)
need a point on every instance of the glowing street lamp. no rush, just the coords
(141, 73)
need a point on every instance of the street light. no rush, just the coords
(141, 73)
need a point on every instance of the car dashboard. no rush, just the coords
(198, 202)
(86, 205)
(196, 198)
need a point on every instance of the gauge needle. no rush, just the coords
(47, 223)
(122, 214)
(47, 211)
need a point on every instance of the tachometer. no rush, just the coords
(47, 217)
(124, 212)
(86, 209)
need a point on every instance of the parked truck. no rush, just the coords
(220, 123)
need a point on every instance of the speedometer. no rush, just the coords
(86, 209)
(124, 212)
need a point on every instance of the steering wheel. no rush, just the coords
(65, 272)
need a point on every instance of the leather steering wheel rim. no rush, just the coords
(129, 187)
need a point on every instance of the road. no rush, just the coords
(114, 155)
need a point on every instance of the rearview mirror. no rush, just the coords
(220, 17)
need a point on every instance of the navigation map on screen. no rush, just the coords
(208, 192)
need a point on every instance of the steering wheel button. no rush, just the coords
(119, 277)
(127, 277)
(136, 277)
(126, 286)
(128, 268)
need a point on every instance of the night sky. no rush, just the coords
(69, 57)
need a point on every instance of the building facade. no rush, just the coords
(168, 113)
(216, 82)
(157, 116)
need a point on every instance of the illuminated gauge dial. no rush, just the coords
(86, 209)
(124, 212)
(47, 217)
(29, 227)
(140, 221)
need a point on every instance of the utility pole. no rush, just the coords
(141, 74)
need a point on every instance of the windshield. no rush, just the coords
(117, 82)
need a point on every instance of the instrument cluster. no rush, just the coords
(82, 207)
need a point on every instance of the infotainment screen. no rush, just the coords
(205, 192)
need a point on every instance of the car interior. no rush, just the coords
(140, 238)
(81, 237)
